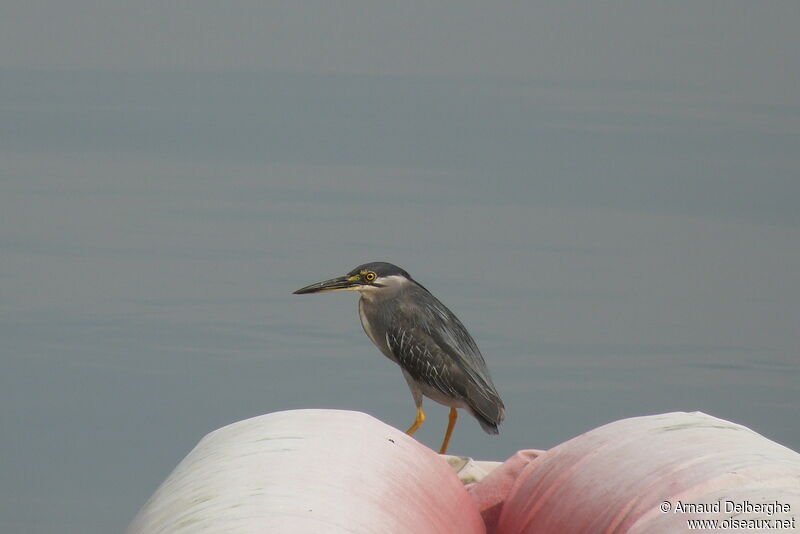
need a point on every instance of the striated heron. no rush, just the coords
(438, 357)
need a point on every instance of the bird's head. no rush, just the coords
(369, 278)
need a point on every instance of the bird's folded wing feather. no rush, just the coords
(434, 346)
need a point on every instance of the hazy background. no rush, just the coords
(608, 195)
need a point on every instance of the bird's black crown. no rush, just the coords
(381, 268)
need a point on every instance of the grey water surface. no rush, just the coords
(609, 202)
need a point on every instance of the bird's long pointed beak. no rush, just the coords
(342, 283)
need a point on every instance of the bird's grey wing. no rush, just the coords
(435, 347)
(419, 355)
(451, 335)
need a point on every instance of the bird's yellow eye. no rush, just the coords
(369, 276)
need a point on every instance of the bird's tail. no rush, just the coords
(488, 410)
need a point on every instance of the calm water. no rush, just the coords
(610, 261)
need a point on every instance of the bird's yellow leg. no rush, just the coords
(449, 434)
(417, 422)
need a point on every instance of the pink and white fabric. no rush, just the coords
(328, 471)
